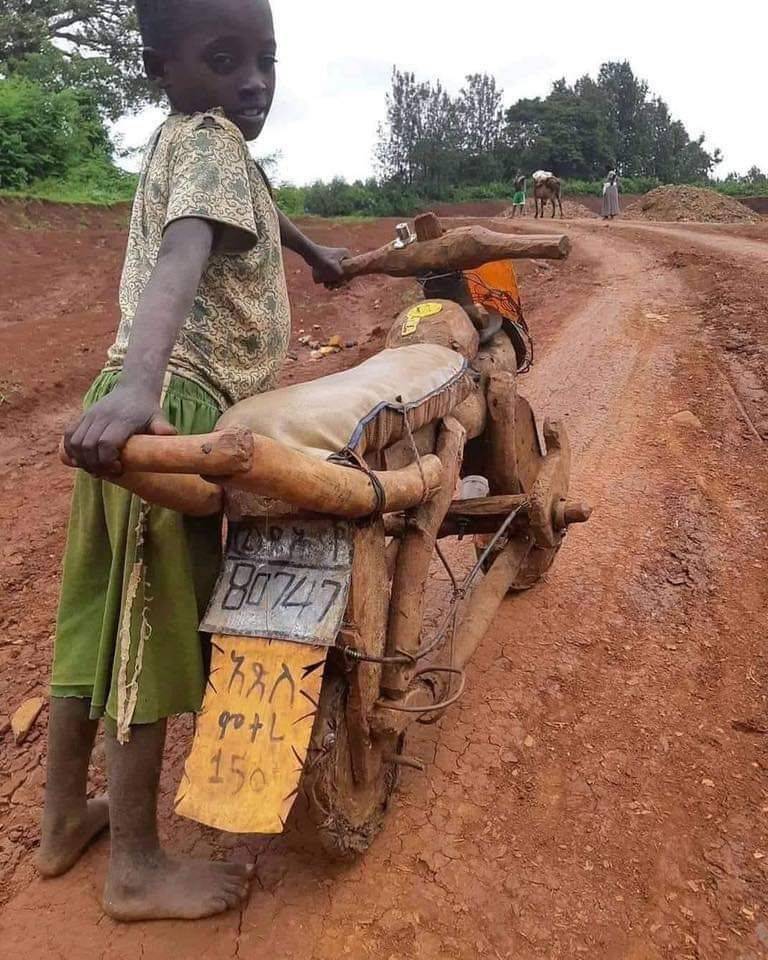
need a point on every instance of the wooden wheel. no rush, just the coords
(545, 480)
(539, 561)
(348, 815)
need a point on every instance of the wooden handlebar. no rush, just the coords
(464, 248)
(168, 470)
(220, 454)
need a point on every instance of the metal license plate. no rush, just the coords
(284, 580)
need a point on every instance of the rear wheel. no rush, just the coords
(347, 814)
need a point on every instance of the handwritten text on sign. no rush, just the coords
(252, 736)
(283, 580)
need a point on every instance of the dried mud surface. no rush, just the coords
(601, 789)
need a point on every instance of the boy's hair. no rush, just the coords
(159, 21)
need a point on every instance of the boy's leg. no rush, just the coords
(144, 883)
(70, 820)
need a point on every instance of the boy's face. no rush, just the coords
(224, 57)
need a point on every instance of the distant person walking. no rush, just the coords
(518, 198)
(611, 206)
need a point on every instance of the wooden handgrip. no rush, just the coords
(218, 454)
(464, 248)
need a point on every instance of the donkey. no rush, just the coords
(547, 189)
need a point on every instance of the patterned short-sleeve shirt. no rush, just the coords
(236, 337)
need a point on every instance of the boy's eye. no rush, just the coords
(222, 61)
(268, 61)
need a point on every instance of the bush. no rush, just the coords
(585, 188)
(291, 200)
(391, 199)
(39, 132)
(54, 145)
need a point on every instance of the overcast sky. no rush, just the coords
(336, 56)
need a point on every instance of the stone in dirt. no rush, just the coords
(24, 717)
(687, 419)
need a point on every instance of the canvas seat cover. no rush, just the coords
(361, 409)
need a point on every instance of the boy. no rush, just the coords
(205, 323)
(518, 199)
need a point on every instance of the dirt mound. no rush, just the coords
(690, 204)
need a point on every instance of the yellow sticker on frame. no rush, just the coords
(418, 313)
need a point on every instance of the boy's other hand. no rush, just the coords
(94, 443)
(326, 265)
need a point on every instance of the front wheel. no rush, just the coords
(348, 815)
(536, 565)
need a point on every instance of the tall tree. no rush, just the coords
(401, 130)
(626, 99)
(418, 144)
(91, 44)
(566, 133)
(480, 128)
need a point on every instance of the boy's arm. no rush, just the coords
(324, 261)
(95, 441)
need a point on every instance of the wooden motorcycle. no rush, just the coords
(337, 495)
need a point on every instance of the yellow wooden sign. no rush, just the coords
(418, 313)
(252, 737)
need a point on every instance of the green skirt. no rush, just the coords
(135, 585)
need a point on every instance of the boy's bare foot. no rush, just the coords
(65, 838)
(161, 888)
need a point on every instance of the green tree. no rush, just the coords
(90, 44)
(399, 132)
(419, 143)
(479, 117)
(755, 176)
(566, 133)
(584, 130)
(647, 141)
(625, 97)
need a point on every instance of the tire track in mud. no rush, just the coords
(590, 796)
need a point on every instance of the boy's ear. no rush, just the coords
(155, 66)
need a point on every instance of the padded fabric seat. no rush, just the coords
(361, 409)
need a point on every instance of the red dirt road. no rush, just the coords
(601, 790)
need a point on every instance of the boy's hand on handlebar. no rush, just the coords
(95, 442)
(326, 265)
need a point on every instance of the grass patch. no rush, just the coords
(94, 183)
